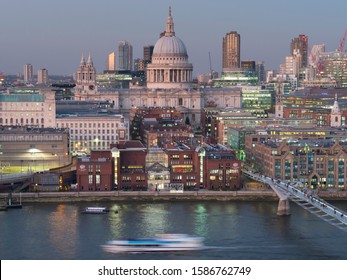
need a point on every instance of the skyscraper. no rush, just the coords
(111, 62)
(125, 56)
(300, 43)
(147, 53)
(231, 50)
(28, 73)
(260, 69)
(42, 76)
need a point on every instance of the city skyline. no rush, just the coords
(53, 35)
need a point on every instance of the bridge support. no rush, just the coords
(283, 207)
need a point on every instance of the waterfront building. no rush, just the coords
(178, 166)
(28, 106)
(111, 62)
(318, 163)
(42, 76)
(231, 51)
(219, 167)
(130, 169)
(33, 149)
(28, 73)
(95, 173)
(93, 131)
(125, 56)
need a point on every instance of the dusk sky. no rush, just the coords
(53, 34)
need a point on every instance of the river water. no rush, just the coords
(232, 230)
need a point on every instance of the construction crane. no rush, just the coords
(342, 42)
(211, 72)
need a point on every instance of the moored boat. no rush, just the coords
(95, 210)
(161, 243)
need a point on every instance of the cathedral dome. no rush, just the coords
(168, 46)
(169, 67)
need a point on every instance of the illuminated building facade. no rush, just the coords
(28, 107)
(231, 51)
(95, 173)
(94, 131)
(318, 163)
(33, 149)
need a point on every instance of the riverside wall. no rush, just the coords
(144, 196)
(266, 195)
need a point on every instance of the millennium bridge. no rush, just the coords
(305, 198)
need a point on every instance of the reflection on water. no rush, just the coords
(62, 230)
(232, 230)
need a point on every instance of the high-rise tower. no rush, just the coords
(231, 50)
(147, 53)
(28, 73)
(42, 76)
(111, 62)
(125, 56)
(300, 45)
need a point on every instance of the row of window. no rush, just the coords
(90, 125)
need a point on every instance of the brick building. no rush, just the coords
(178, 165)
(96, 172)
(317, 163)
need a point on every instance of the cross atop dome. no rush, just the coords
(169, 31)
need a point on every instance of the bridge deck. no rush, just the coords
(306, 199)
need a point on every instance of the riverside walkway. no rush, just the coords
(305, 198)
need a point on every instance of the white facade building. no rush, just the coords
(94, 132)
(28, 109)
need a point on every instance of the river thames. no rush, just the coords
(232, 230)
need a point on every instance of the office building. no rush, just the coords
(260, 70)
(28, 107)
(111, 62)
(28, 73)
(147, 53)
(300, 45)
(231, 50)
(125, 56)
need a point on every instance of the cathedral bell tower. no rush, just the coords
(85, 80)
(279, 101)
(335, 116)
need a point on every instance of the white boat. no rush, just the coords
(161, 243)
(95, 210)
